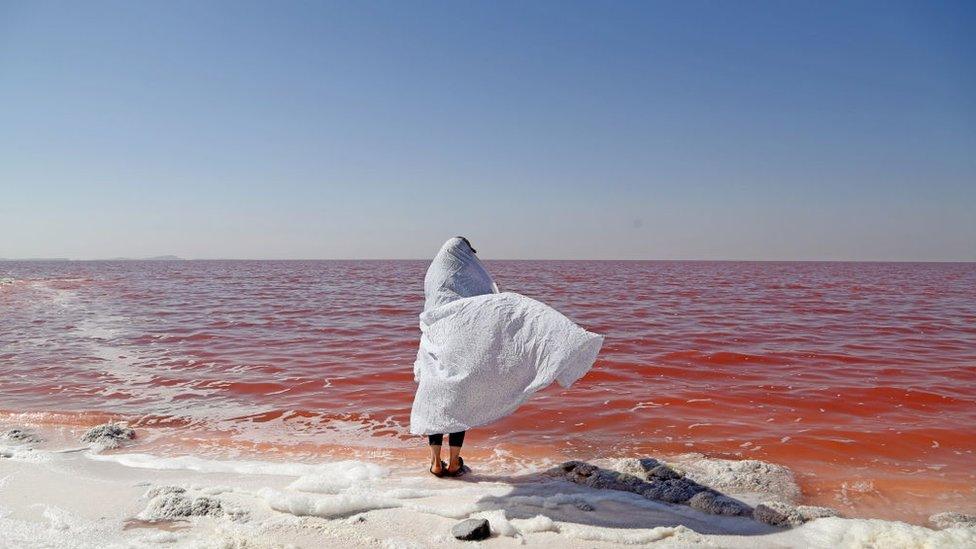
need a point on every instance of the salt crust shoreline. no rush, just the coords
(88, 497)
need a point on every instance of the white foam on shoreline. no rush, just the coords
(840, 532)
(531, 510)
(325, 506)
(593, 533)
(331, 478)
(338, 472)
(20, 452)
(536, 524)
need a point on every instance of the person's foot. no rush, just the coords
(438, 469)
(454, 469)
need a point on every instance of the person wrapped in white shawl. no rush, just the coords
(484, 352)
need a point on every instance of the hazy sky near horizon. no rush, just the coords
(633, 130)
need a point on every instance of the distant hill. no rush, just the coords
(154, 258)
(36, 259)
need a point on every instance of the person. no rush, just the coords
(484, 352)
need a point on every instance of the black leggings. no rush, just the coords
(454, 439)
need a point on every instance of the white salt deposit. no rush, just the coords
(453, 511)
(325, 506)
(498, 522)
(625, 537)
(335, 477)
(309, 505)
(20, 452)
(538, 523)
(838, 532)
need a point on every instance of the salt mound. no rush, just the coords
(175, 502)
(109, 435)
(747, 476)
(164, 490)
(176, 506)
(21, 436)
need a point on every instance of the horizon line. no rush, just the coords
(175, 259)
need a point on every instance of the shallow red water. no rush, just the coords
(859, 376)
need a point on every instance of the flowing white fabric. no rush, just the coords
(483, 353)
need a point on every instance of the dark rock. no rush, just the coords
(716, 504)
(775, 513)
(952, 520)
(785, 515)
(610, 480)
(810, 512)
(584, 506)
(663, 484)
(471, 530)
(663, 472)
(568, 466)
(672, 491)
(109, 435)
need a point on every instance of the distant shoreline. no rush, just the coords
(770, 261)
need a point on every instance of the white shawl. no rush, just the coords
(483, 353)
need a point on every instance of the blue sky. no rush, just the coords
(646, 130)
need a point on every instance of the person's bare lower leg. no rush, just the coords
(435, 459)
(454, 464)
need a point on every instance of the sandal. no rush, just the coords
(443, 470)
(460, 470)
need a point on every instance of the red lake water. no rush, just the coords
(861, 377)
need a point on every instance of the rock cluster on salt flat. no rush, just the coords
(747, 476)
(108, 435)
(776, 513)
(699, 482)
(952, 520)
(717, 504)
(22, 436)
(174, 502)
(657, 483)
